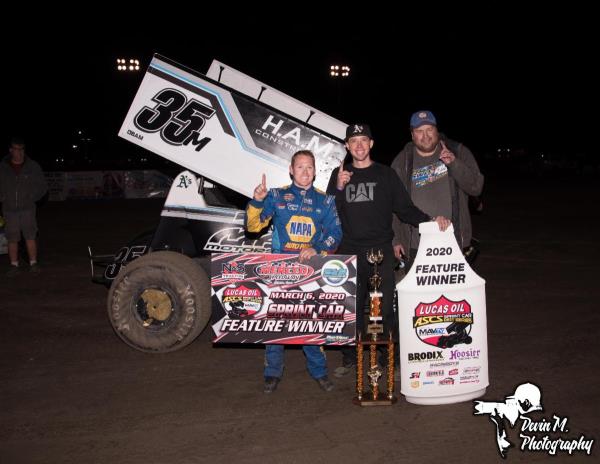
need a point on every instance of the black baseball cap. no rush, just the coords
(355, 130)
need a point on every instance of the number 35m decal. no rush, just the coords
(178, 120)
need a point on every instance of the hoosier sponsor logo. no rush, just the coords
(464, 354)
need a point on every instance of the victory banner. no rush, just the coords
(273, 298)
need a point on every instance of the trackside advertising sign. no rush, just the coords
(443, 332)
(273, 298)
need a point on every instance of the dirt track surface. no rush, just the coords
(72, 392)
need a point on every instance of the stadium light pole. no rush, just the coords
(339, 73)
(128, 64)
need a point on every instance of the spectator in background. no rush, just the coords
(22, 183)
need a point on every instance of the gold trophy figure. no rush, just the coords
(375, 326)
(374, 329)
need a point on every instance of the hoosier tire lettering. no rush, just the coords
(160, 302)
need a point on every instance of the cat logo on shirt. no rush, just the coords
(300, 229)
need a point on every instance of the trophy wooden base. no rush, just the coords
(371, 402)
(373, 396)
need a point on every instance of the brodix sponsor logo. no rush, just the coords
(425, 356)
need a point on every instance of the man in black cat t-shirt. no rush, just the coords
(366, 195)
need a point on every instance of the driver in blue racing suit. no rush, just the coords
(305, 221)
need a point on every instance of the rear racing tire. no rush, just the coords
(160, 302)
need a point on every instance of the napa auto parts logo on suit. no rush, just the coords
(443, 323)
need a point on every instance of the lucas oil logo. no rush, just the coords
(300, 229)
(242, 301)
(443, 323)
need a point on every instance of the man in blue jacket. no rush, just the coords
(305, 221)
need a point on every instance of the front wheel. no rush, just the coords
(160, 302)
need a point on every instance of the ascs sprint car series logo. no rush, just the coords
(443, 323)
(243, 300)
(527, 399)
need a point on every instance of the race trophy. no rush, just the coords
(374, 397)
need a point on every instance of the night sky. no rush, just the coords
(502, 80)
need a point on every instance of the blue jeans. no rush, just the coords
(315, 361)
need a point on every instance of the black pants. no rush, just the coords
(411, 259)
(388, 285)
